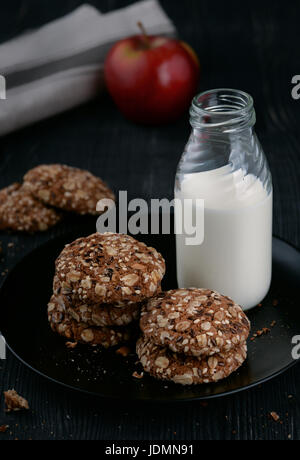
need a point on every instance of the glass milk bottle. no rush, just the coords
(224, 165)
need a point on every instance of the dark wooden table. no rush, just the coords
(253, 46)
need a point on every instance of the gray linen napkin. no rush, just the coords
(60, 65)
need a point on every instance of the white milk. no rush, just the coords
(235, 258)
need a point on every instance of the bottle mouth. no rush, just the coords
(223, 108)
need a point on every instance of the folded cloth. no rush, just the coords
(60, 65)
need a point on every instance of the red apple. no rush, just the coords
(152, 79)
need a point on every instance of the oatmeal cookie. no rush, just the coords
(66, 326)
(109, 268)
(20, 211)
(100, 315)
(67, 188)
(196, 322)
(162, 363)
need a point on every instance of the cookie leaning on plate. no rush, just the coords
(20, 211)
(67, 188)
(162, 363)
(109, 268)
(196, 322)
(66, 326)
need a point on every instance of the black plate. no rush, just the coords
(23, 320)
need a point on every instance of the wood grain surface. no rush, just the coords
(252, 46)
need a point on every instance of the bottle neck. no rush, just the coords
(222, 111)
(223, 133)
(223, 143)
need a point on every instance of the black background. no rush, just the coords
(253, 46)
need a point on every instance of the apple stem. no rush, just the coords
(144, 33)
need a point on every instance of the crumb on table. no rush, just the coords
(71, 344)
(275, 416)
(136, 375)
(15, 402)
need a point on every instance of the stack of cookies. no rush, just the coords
(100, 282)
(46, 193)
(192, 336)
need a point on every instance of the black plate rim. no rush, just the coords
(152, 399)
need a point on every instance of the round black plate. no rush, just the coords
(23, 320)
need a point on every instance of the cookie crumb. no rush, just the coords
(259, 333)
(264, 331)
(14, 402)
(71, 344)
(136, 375)
(275, 416)
(123, 351)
